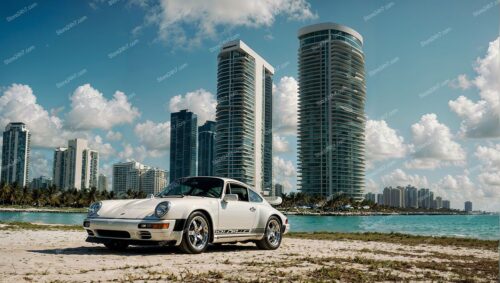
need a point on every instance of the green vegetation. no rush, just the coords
(52, 197)
(34, 226)
(405, 239)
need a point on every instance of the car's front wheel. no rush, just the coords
(196, 234)
(272, 235)
(116, 245)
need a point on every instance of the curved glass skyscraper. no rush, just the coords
(331, 123)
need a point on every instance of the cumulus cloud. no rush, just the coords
(105, 149)
(280, 144)
(400, 178)
(481, 119)
(434, 145)
(91, 110)
(383, 142)
(139, 153)
(283, 167)
(285, 97)
(489, 176)
(207, 18)
(19, 104)
(200, 102)
(39, 165)
(154, 136)
(113, 136)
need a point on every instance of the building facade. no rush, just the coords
(102, 183)
(134, 176)
(41, 183)
(183, 140)
(278, 190)
(243, 148)
(76, 166)
(468, 206)
(206, 149)
(16, 154)
(331, 122)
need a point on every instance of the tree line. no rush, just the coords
(56, 197)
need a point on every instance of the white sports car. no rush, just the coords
(191, 213)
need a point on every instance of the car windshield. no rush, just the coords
(196, 186)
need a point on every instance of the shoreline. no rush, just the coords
(374, 213)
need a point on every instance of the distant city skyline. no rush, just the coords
(115, 77)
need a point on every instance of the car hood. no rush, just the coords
(139, 208)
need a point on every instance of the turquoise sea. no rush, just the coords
(471, 226)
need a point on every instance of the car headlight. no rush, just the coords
(94, 208)
(162, 209)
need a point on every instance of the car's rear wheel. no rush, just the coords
(196, 234)
(116, 245)
(272, 235)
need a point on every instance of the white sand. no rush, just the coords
(45, 256)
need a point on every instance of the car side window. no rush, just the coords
(241, 191)
(254, 197)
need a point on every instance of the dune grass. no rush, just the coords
(405, 239)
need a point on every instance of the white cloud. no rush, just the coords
(285, 97)
(105, 149)
(200, 102)
(39, 165)
(461, 82)
(283, 168)
(372, 186)
(383, 142)
(481, 119)
(154, 136)
(139, 153)
(400, 178)
(91, 110)
(113, 136)
(206, 18)
(19, 104)
(434, 145)
(280, 144)
(489, 176)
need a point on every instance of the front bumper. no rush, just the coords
(102, 230)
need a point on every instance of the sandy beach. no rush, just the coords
(64, 256)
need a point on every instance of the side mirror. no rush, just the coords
(230, 197)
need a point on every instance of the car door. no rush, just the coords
(236, 217)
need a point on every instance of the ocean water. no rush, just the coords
(471, 226)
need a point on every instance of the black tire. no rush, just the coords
(272, 235)
(196, 241)
(117, 246)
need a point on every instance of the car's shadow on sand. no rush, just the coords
(135, 250)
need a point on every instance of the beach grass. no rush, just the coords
(405, 239)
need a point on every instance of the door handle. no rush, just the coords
(252, 209)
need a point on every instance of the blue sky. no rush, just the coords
(421, 57)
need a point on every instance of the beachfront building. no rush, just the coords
(243, 149)
(411, 197)
(16, 154)
(468, 206)
(446, 204)
(380, 199)
(278, 190)
(183, 139)
(76, 166)
(102, 183)
(135, 176)
(424, 198)
(331, 118)
(206, 149)
(370, 197)
(41, 183)
(438, 203)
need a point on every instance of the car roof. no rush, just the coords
(225, 180)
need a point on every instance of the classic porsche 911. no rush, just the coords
(191, 213)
